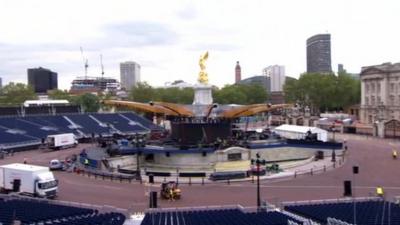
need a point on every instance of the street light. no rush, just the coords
(258, 162)
(138, 143)
(333, 146)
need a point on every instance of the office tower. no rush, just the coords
(130, 74)
(319, 54)
(276, 74)
(42, 80)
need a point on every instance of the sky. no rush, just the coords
(167, 37)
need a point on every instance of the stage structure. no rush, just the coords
(203, 121)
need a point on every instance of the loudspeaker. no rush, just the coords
(355, 169)
(167, 154)
(204, 154)
(320, 155)
(347, 188)
(153, 199)
(151, 179)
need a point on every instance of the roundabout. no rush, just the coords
(373, 156)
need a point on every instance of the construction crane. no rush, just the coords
(102, 67)
(85, 62)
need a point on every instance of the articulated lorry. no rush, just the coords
(28, 179)
(60, 141)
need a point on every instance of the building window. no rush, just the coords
(366, 101)
(378, 100)
(370, 119)
(367, 88)
(378, 87)
(373, 100)
(391, 87)
(391, 99)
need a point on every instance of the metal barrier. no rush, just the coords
(106, 175)
(333, 200)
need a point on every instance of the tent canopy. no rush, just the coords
(300, 132)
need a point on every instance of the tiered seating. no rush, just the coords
(35, 110)
(118, 122)
(217, 217)
(8, 138)
(10, 111)
(106, 219)
(57, 121)
(88, 125)
(143, 121)
(367, 212)
(67, 109)
(32, 129)
(271, 218)
(32, 212)
(39, 127)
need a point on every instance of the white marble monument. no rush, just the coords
(202, 94)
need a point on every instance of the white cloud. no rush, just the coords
(167, 37)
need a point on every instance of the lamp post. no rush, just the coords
(333, 146)
(258, 162)
(138, 141)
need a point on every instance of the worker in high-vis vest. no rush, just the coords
(379, 191)
(86, 162)
(394, 154)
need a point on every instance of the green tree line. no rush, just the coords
(229, 94)
(15, 94)
(323, 92)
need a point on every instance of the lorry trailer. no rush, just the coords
(28, 179)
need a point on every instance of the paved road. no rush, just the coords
(373, 156)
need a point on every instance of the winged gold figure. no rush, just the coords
(203, 76)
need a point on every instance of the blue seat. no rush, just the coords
(120, 123)
(216, 217)
(367, 212)
(88, 125)
(17, 130)
(32, 212)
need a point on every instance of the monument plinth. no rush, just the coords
(202, 90)
(202, 94)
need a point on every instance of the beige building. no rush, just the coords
(380, 98)
(130, 74)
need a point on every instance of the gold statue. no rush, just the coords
(203, 76)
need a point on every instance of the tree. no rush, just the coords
(16, 94)
(242, 94)
(89, 102)
(255, 93)
(60, 94)
(174, 95)
(292, 93)
(142, 92)
(323, 92)
(230, 94)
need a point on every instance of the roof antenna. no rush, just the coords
(102, 67)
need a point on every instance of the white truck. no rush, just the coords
(60, 141)
(28, 179)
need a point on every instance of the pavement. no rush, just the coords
(372, 155)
